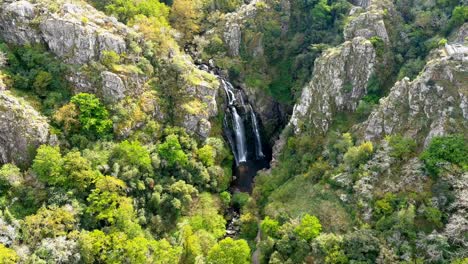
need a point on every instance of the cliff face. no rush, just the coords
(22, 129)
(341, 74)
(82, 36)
(434, 104)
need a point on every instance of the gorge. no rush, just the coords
(233, 131)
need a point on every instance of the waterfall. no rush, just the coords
(245, 147)
(230, 139)
(258, 139)
(238, 125)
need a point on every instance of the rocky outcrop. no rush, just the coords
(435, 103)
(367, 24)
(22, 129)
(339, 81)
(80, 35)
(341, 74)
(232, 30)
(77, 33)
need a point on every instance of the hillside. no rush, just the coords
(232, 131)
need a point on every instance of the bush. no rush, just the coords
(240, 199)
(444, 153)
(358, 155)
(402, 147)
(309, 227)
(378, 44)
(8, 256)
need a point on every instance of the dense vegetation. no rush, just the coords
(120, 185)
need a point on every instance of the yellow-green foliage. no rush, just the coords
(309, 227)
(195, 107)
(7, 255)
(357, 155)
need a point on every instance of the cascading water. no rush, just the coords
(239, 130)
(242, 131)
(258, 139)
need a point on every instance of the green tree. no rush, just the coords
(48, 165)
(361, 246)
(171, 151)
(308, 228)
(132, 154)
(229, 251)
(207, 155)
(126, 10)
(270, 227)
(93, 116)
(185, 17)
(106, 199)
(80, 174)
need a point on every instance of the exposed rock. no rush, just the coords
(232, 30)
(79, 34)
(368, 23)
(232, 37)
(113, 87)
(462, 34)
(435, 103)
(339, 81)
(16, 23)
(362, 3)
(22, 129)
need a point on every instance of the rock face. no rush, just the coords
(76, 33)
(232, 29)
(80, 35)
(339, 81)
(232, 37)
(435, 103)
(367, 23)
(22, 129)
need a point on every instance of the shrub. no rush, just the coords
(240, 199)
(445, 152)
(402, 147)
(109, 58)
(309, 227)
(358, 154)
(8, 256)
